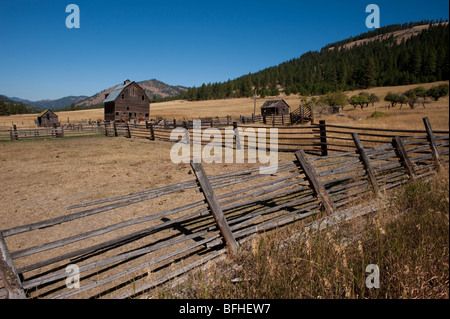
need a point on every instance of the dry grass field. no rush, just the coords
(437, 112)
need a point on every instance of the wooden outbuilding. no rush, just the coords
(47, 118)
(128, 101)
(275, 107)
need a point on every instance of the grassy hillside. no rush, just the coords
(379, 59)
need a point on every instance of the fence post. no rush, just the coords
(9, 274)
(403, 155)
(316, 185)
(128, 129)
(15, 135)
(115, 129)
(273, 120)
(215, 208)
(59, 131)
(311, 108)
(323, 138)
(432, 141)
(302, 114)
(365, 160)
(237, 139)
(152, 132)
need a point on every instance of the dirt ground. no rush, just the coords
(40, 178)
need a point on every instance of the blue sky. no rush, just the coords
(178, 42)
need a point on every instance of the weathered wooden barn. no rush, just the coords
(47, 118)
(275, 107)
(128, 101)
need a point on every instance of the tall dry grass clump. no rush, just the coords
(409, 241)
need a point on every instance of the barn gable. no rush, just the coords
(275, 107)
(47, 118)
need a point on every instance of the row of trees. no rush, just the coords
(338, 100)
(419, 59)
(412, 96)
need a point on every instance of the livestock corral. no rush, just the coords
(126, 243)
(111, 216)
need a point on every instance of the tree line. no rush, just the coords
(338, 100)
(11, 108)
(420, 59)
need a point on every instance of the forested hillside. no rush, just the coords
(419, 59)
(10, 107)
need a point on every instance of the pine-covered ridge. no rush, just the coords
(420, 59)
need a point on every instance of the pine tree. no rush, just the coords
(370, 74)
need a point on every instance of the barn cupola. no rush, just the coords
(126, 81)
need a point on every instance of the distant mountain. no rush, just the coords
(4, 98)
(59, 103)
(151, 87)
(10, 106)
(50, 104)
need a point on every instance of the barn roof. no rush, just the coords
(116, 92)
(44, 112)
(274, 103)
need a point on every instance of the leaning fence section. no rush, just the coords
(123, 246)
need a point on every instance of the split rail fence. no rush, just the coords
(127, 245)
(14, 134)
(316, 139)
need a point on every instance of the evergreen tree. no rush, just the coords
(424, 58)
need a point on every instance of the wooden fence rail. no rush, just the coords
(316, 139)
(15, 134)
(126, 245)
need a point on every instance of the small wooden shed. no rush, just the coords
(47, 118)
(275, 107)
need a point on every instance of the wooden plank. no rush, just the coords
(9, 274)
(115, 129)
(323, 138)
(215, 208)
(152, 132)
(432, 141)
(366, 162)
(403, 155)
(128, 130)
(315, 183)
